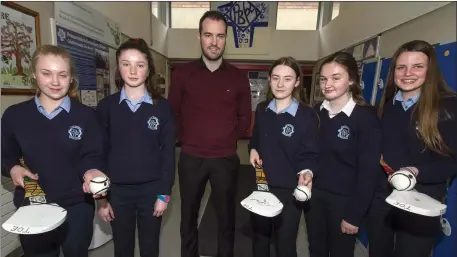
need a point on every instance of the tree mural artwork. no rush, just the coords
(16, 41)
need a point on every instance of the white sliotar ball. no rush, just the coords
(403, 180)
(302, 193)
(99, 185)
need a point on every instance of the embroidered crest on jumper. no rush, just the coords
(153, 123)
(344, 132)
(288, 130)
(75, 132)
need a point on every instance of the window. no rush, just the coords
(186, 15)
(297, 15)
(336, 9)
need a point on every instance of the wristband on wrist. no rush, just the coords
(163, 198)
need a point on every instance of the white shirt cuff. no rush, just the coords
(304, 171)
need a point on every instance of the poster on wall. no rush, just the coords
(370, 48)
(360, 70)
(243, 17)
(20, 37)
(91, 59)
(88, 21)
(358, 52)
(365, 50)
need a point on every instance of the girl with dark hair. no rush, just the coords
(59, 141)
(418, 118)
(284, 143)
(348, 168)
(139, 133)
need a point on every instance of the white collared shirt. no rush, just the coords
(348, 108)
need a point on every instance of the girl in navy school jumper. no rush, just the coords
(348, 167)
(60, 142)
(419, 124)
(140, 141)
(284, 143)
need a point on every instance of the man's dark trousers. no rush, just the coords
(194, 172)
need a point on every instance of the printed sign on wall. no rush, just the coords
(88, 21)
(244, 17)
(91, 61)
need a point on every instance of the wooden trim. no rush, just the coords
(13, 91)
(30, 12)
(36, 15)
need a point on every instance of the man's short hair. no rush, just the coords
(212, 15)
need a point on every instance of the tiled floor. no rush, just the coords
(170, 240)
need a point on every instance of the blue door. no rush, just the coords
(368, 75)
(447, 60)
(385, 63)
(446, 245)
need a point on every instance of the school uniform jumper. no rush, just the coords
(345, 181)
(287, 145)
(415, 235)
(140, 162)
(60, 147)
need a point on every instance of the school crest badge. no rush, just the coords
(75, 132)
(344, 132)
(288, 130)
(153, 123)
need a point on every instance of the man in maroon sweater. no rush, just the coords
(211, 100)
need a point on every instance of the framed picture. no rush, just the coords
(20, 33)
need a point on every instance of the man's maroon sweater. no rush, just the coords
(212, 109)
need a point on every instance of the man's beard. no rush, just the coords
(217, 57)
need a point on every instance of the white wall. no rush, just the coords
(134, 19)
(183, 18)
(438, 26)
(159, 36)
(303, 45)
(357, 21)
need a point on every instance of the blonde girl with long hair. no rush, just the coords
(59, 140)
